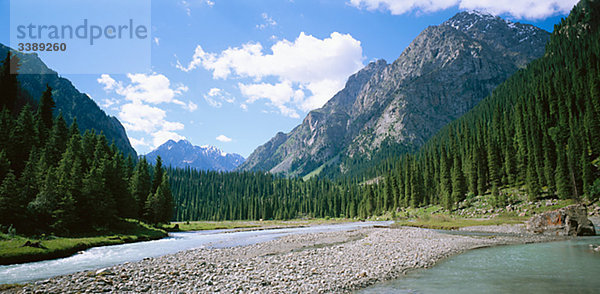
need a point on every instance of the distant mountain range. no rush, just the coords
(443, 73)
(34, 75)
(184, 154)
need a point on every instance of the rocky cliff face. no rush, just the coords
(442, 74)
(184, 154)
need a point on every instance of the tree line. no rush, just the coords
(211, 195)
(53, 179)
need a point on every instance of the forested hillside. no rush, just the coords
(540, 129)
(33, 77)
(55, 180)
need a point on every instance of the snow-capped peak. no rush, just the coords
(205, 157)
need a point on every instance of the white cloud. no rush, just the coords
(108, 82)
(520, 9)
(268, 21)
(141, 112)
(139, 143)
(154, 89)
(156, 41)
(142, 117)
(316, 67)
(191, 106)
(160, 137)
(278, 94)
(108, 102)
(210, 3)
(223, 138)
(215, 97)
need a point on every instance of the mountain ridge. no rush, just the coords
(184, 154)
(445, 71)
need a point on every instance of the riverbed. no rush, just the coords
(323, 262)
(104, 256)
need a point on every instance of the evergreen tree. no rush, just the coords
(10, 210)
(4, 165)
(57, 141)
(458, 181)
(44, 116)
(140, 185)
(158, 175)
(9, 85)
(445, 182)
(22, 138)
(160, 204)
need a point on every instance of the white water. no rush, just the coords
(105, 256)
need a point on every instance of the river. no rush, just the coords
(553, 267)
(104, 256)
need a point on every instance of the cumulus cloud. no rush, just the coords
(309, 71)
(108, 82)
(520, 9)
(278, 94)
(223, 138)
(139, 143)
(141, 112)
(154, 88)
(215, 97)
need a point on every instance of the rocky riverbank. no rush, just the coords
(309, 263)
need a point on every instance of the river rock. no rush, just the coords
(567, 221)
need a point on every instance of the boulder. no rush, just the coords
(567, 221)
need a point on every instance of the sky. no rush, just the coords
(233, 73)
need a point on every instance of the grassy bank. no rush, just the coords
(445, 222)
(12, 249)
(267, 224)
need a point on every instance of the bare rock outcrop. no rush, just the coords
(567, 221)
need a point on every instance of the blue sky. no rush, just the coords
(234, 73)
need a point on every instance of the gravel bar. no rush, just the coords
(333, 262)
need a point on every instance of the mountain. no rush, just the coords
(34, 75)
(443, 73)
(184, 154)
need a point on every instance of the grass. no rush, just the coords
(12, 249)
(313, 173)
(445, 222)
(268, 224)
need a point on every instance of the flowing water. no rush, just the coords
(554, 267)
(99, 257)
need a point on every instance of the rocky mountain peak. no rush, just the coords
(518, 41)
(183, 154)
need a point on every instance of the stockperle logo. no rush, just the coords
(84, 36)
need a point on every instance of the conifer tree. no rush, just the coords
(9, 85)
(44, 118)
(458, 181)
(158, 175)
(22, 138)
(140, 185)
(445, 181)
(10, 210)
